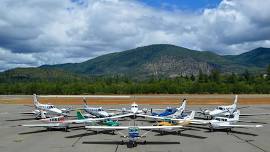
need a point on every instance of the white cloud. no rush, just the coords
(49, 32)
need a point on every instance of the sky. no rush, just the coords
(34, 33)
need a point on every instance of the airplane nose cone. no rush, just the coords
(105, 114)
(57, 111)
(212, 113)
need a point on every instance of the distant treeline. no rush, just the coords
(213, 83)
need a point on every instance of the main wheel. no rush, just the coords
(134, 144)
(122, 142)
(144, 142)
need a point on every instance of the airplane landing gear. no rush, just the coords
(122, 142)
(131, 144)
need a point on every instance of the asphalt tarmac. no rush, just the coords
(14, 138)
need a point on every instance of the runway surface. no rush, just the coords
(14, 138)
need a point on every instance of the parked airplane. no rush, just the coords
(189, 119)
(48, 109)
(134, 109)
(62, 123)
(173, 112)
(221, 110)
(96, 112)
(183, 122)
(133, 132)
(229, 123)
(225, 111)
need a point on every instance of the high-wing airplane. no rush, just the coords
(94, 111)
(48, 109)
(62, 123)
(133, 132)
(173, 112)
(228, 123)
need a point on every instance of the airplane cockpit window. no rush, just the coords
(218, 119)
(220, 108)
(133, 129)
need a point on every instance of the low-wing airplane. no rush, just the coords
(229, 123)
(97, 112)
(221, 110)
(134, 109)
(173, 112)
(225, 111)
(48, 109)
(189, 119)
(133, 132)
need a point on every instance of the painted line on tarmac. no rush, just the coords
(116, 148)
(77, 140)
(248, 142)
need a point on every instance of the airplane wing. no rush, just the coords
(119, 110)
(126, 127)
(255, 114)
(27, 113)
(96, 119)
(42, 125)
(120, 116)
(148, 116)
(241, 126)
(192, 121)
(158, 109)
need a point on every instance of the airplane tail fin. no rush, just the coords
(35, 100)
(192, 115)
(84, 100)
(235, 100)
(237, 114)
(183, 106)
(42, 114)
(80, 116)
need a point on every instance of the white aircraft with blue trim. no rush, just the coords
(229, 122)
(134, 109)
(94, 111)
(225, 111)
(48, 109)
(221, 110)
(133, 132)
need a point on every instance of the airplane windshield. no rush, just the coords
(133, 129)
(50, 107)
(220, 108)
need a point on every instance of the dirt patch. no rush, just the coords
(147, 99)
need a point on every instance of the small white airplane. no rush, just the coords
(96, 112)
(221, 110)
(62, 123)
(229, 123)
(48, 109)
(134, 109)
(225, 111)
(133, 132)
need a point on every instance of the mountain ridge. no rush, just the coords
(166, 60)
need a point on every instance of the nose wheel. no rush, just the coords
(131, 144)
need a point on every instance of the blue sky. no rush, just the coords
(182, 4)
